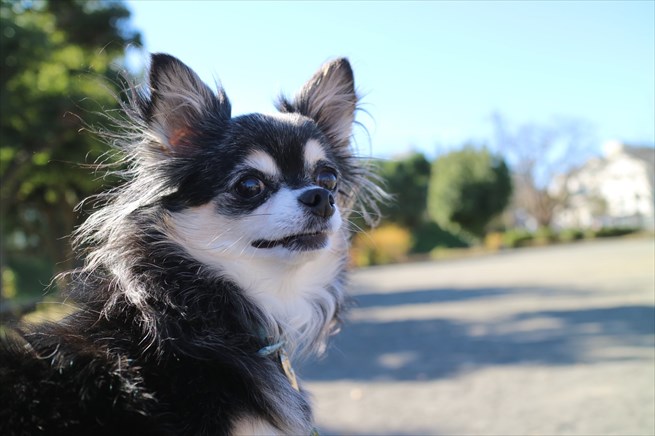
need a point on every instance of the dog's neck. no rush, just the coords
(299, 298)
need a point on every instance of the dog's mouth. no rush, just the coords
(300, 242)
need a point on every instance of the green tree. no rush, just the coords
(467, 189)
(406, 180)
(60, 63)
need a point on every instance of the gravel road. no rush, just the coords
(549, 341)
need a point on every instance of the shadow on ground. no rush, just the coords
(436, 348)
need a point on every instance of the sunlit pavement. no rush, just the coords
(556, 340)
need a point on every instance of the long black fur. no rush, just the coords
(160, 344)
(99, 372)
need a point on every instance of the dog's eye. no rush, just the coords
(327, 178)
(249, 187)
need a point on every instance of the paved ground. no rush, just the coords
(556, 340)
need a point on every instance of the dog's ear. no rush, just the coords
(179, 101)
(328, 98)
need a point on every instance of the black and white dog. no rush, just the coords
(220, 258)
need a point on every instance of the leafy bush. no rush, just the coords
(569, 235)
(429, 235)
(517, 238)
(544, 236)
(493, 241)
(607, 232)
(387, 244)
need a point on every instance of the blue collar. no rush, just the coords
(270, 349)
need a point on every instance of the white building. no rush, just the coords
(615, 190)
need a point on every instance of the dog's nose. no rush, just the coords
(319, 201)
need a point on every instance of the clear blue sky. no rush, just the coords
(432, 73)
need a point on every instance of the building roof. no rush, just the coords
(647, 154)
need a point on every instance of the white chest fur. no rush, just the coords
(297, 295)
(296, 291)
(254, 427)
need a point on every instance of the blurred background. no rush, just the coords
(516, 138)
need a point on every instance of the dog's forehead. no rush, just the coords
(278, 144)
